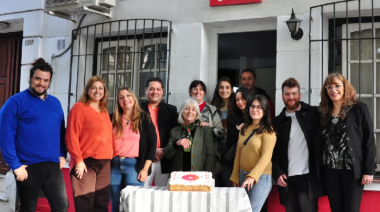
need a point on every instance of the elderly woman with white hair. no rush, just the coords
(191, 146)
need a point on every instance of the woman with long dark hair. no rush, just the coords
(223, 100)
(253, 167)
(134, 145)
(345, 145)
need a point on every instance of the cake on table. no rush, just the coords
(190, 181)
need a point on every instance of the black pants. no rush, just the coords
(297, 195)
(344, 192)
(48, 177)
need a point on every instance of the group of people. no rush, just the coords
(309, 151)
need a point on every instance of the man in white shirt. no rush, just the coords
(293, 161)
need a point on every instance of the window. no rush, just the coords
(130, 63)
(368, 84)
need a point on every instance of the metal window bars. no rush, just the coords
(92, 46)
(335, 41)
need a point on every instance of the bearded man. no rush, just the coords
(294, 161)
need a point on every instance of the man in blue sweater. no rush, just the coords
(32, 132)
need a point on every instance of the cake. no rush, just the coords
(190, 181)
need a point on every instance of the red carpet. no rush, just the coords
(370, 200)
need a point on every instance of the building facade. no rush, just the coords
(181, 40)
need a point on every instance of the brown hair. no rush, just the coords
(265, 122)
(86, 99)
(290, 83)
(117, 120)
(326, 105)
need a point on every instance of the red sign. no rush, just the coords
(232, 2)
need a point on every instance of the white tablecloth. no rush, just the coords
(159, 199)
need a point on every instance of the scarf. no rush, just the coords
(186, 132)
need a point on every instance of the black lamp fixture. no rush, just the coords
(3, 25)
(294, 27)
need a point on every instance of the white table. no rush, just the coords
(159, 199)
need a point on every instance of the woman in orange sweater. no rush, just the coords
(89, 142)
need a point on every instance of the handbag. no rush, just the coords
(229, 157)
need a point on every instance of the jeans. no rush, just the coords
(297, 196)
(123, 173)
(259, 192)
(48, 177)
(91, 193)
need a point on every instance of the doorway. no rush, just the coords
(10, 68)
(10, 65)
(256, 50)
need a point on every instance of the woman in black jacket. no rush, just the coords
(134, 145)
(235, 122)
(345, 145)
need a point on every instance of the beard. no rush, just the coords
(293, 106)
(36, 92)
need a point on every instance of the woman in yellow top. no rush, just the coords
(253, 167)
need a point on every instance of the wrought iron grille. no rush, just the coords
(350, 44)
(123, 52)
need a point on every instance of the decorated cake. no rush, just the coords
(190, 181)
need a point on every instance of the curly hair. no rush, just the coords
(326, 105)
(86, 99)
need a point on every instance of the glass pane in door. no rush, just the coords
(110, 83)
(147, 57)
(110, 107)
(109, 59)
(162, 76)
(124, 58)
(377, 41)
(162, 56)
(366, 45)
(124, 79)
(366, 73)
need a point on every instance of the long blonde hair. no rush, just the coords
(86, 99)
(117, 120)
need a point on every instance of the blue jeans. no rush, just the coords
(123, 173)
(259, 192)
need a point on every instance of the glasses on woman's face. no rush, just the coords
(336, 86)
(259, 107)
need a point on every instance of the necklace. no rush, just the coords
(335, 118)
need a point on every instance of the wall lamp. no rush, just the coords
(294, 27)
(3, 25)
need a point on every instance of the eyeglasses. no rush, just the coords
(259, 107)
(336, 86)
